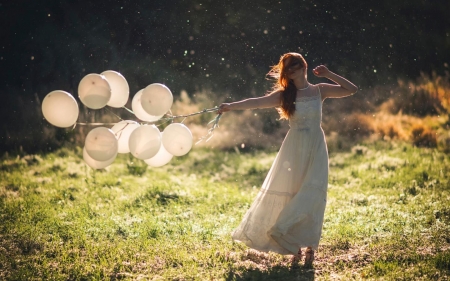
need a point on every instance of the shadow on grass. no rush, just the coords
(297, 272)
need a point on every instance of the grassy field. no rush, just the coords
(388, 217)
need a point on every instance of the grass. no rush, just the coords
(387, 217)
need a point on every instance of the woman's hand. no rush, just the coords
(321, 71)
(224, 107)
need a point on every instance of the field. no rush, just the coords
(387, 217)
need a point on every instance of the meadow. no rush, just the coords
(387, 217)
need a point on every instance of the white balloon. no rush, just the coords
(160, 159)
(139, 111)
(101, 144)
(94, 91)
(123, 130)
(60, 109)
(156, 99)
(145, 142)
(96, 164)
(177, 139)
(120, 91)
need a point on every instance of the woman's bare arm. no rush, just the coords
(342, 88)
(268, 101)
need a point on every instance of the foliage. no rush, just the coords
(381, 113)
(387, 217)
(422, 136)
(428, 95)
(195, 45)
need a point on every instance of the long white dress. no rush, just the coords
(288, 210)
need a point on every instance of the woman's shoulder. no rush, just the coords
(312, 86)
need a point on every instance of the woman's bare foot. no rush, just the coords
(309, 256)
(297, 258)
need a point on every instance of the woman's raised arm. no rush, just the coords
(342, 88)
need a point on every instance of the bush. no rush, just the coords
(428, 95)
(423, 136)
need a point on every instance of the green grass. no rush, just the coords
(387, 217)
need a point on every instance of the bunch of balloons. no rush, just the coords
(143, 140)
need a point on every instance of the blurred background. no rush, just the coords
(208, 52)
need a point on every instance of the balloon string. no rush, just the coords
(209, 135)
(114, 114)
(96, 124)
(129, 110)
(196, 113)
(170, 118)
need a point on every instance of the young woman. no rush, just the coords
(288, 211)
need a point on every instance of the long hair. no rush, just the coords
(285, 85)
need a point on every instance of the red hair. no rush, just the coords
(285, 85)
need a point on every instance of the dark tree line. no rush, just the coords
(224, 46)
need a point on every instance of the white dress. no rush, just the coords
(288, 211)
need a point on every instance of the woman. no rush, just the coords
(288, 211)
